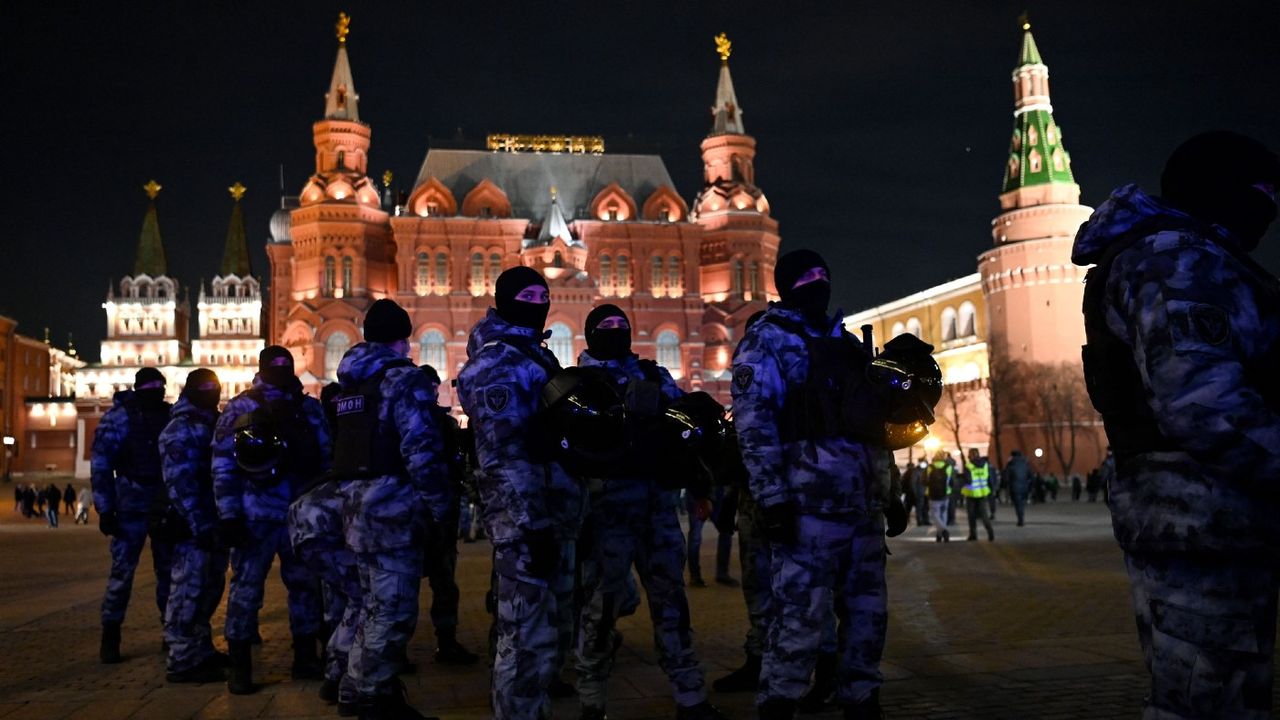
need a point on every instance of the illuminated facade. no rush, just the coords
(37, 414)
(601, 227)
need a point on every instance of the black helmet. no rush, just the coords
(694, 423)
(909, 379)
(585, 420)
(259, 449)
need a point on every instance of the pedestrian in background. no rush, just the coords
(1017, 475)
(54, 496)
(69, 498)
(938, 489)
(17, 497)
(1075, 487)
(84, 501)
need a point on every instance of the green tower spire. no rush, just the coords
(235, 253)
(1036, 153)
(150, 259)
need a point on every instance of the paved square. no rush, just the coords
(1035, 625)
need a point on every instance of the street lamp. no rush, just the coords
(1039, 452)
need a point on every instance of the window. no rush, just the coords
(558, 260)
(1033, 161)
(1032, 135)
(334, 348)
(913, 326)
(606, 268)
(968, 324)
(673, 276)
(346, 276)
(669, 352)
(1058, 163)
(486, 212)
(735, 277)
(495, 269)
(431, 351)
(424, 273)
(948, 324)
(327, 289)
(655, 276)
(1013, 166)
(664, 215)
(613, 213)
(561, 344)
(442, 272)
(477, 274)
(755, 280)
(624, 275)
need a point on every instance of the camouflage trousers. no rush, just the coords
(198, 577)
(835, 560)
(533, 623)
(1207, 627)
(342, 598)
(126, 549)
(627, 534)
(440, 568)
(250, 565)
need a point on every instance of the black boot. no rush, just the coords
(824, 685)
(109, 652)
(592, 713)
(307, 664)
(559, 689)
(450, 652)
(868, 709)
(777, 709)
(209, 670)
(240, 672)
(702, 711)
(404, 666)
(392, 705)
(744, 679)
(329, 691)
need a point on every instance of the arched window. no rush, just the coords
(346, 276)
(624, 275)
(1033, 161)
(673, 276)
(968, 324)
(431, 351)
(495, 269)
(442, 272)
(557, 260)
(329, 280)
(735, 277)
(334, 348)
(477, 274)
(655, 276)
(561, 344)
(898, 329)
(913, 326)
(754, 280)
(948, 324)
(606, 270)
(424, 273)
(669, 352)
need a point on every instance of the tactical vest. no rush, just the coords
(140, 457)
(284, 417)
(979, 476)
(937, 480)
(366, 446)
(1114, 381)
(834, 399)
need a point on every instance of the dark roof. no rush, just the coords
(527, 178)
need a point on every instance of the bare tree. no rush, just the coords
(948, 414)
(1063, 408)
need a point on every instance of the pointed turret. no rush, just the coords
(235, 253)
(726, 113)
(1036, 152)
(150, 259)
(555, 225)
(342, 101)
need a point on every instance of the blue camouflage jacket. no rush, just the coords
(113, 490)
(186, 454)
(499, 388)
(830, 475)
(1187, 304)
(409, 406)
(238, 496)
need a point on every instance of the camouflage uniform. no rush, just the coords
(132, 489)
(838, 555)
(634, 522)
(264, 505)
(385, 517)
(499, 389)
(199, 573)
(316, 534)
(1196, 519)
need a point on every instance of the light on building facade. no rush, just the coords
(1039, 452)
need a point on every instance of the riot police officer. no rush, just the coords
(389, 460)
(633, 518)
(816, 489)
(269, 444)
(1183, 330)
(199, 561)
(127, 489)
(532, 508)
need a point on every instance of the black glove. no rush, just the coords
(108, 523)
(233, 532)
(895, 517)
(544, 552)
(778, 523)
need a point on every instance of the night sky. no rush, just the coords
(882, 127)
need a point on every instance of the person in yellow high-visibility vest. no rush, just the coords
(975, 494)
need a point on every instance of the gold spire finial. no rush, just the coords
(343, 26)
(723, 47)
(152, 188)
(237, 191)
(386, 178)
(1025, 20)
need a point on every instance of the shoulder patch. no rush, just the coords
(497, 398)
(1210, 324)
(743, 376)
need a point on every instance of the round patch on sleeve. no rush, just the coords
(743, 376)
(497, 398)
(1210, 324)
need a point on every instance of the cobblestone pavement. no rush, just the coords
(1035, 625)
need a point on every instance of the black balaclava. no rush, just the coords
(1211, 176)
(203, 399)
(150, 397)
(386, 322)
(518, 312)
(811, 298)
(607, 343)
(273, 369)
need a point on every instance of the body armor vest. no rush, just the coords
(140, 456)
(366, 446)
